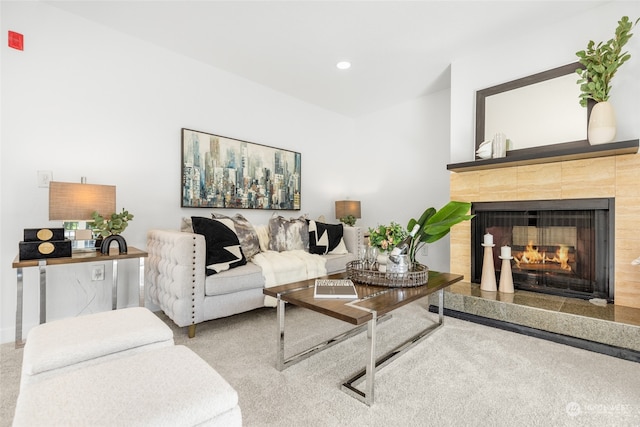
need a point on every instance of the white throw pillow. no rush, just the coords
(263, 236)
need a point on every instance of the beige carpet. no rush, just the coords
(463, 374)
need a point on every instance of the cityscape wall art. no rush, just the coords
(221, 172)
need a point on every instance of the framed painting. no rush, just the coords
(221, 172)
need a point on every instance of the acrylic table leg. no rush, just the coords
(114, 287)
(371, 360)
(19, 298)
(141, 281)
(280, 339)
(441, 306)
(42, 267)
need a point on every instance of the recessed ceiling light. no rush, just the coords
(343, 65)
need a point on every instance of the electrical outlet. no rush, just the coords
(44, 177)
(424, 251)
(97, 273)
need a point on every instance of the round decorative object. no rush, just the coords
(106, 242)
(417, 276)
(45, 234)
(602, 124)
(46, 248)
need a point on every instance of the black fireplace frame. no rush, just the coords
(597, 204)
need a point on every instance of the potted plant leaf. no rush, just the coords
(601, 62)
(434, 225)
(109, 229)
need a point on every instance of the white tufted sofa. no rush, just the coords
(175, 278)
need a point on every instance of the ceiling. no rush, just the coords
(399, 50)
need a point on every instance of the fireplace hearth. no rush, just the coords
(560, 247)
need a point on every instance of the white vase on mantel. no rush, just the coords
(602, 124)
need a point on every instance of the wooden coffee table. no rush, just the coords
(372, 306)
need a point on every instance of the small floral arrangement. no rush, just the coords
(386, 237)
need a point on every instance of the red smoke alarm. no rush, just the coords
(16, 40)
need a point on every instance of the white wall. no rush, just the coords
(524, 54)
(407, 148)
(83, 100)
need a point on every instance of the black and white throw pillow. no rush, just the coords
(246, 233)
(325, 238)
(223, 247)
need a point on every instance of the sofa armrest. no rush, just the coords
(352, 237)
(175, 274)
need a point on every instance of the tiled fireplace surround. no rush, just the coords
(614, 176)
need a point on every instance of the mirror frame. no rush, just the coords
(481, 96)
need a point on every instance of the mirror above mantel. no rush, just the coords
(537, 113)
(565, 136)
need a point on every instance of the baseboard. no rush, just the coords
(609, 350)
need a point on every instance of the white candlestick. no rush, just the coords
(506, 278)
(505, 252)
(488, 280)
(488, 239)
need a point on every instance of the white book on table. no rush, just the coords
(335, 288)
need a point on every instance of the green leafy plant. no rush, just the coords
(434, 225)
(348, 220)
(114, 225)
(601, 62)
(386, 237)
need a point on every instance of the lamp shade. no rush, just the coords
(347, 207)
(76, 202)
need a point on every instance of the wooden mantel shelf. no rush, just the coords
(558, 153)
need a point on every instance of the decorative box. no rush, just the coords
(49, 249)
(43, 234)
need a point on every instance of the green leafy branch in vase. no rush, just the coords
(601, 61)
(434, 225)
(116, 224)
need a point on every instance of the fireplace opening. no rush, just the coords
(561, 247)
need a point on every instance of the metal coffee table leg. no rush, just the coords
(368, 373)
(283, 363)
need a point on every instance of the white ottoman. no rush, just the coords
(171, 386)
(66, 344)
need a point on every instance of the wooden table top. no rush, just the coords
(78, 257)
(381, 299)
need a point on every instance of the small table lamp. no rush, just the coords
(348, 211)
(73, 202)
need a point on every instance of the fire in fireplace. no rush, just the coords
(561, 247)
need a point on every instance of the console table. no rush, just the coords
(80, 257)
